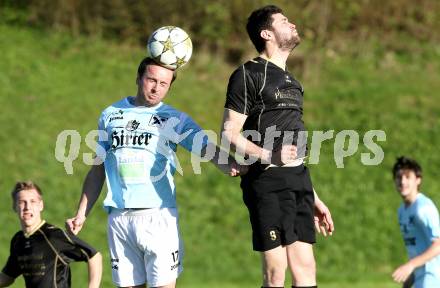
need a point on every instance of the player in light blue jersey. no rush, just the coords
(138, 143)
(420, 227)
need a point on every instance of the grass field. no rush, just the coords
(326, 285)
(50, 82)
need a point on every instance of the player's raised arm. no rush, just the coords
(230, 166)
(5, 280)
(231, 129)
(91, 189)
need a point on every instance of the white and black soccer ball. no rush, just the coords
(170, 46)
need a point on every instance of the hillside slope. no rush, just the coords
(51, 82)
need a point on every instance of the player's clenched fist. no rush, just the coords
(75, 224)
(285, 155)
(237, 169)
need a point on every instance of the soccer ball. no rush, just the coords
(170, 46)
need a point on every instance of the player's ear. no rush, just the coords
(418, 181)
(266, 34)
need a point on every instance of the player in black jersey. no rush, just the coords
(263, 119)
(42, 252)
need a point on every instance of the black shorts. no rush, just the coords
(280, 201)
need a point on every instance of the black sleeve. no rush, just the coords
(12, 269)
(71, 248)
(241, 92)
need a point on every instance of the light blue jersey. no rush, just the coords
(139, 152)
(419, 224)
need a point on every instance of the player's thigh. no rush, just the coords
(274, 259)
(164, 253)
(261, 196)
(301, 185)
(300, 255)
(127, 260)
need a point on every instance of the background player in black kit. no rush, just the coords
(283, 208)
(42, 252)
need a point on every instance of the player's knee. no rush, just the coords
(304, 269)
(274, 277)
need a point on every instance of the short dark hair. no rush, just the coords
(405, 163)
(23, 185)
(150, 61)
(261, 19)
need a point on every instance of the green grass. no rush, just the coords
(326, 285)
(51, 82)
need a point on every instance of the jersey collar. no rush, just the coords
(130, 102)
(27, 235)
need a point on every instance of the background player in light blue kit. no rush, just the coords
(140, 161)
(419, 224)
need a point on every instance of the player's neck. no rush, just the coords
(276, 56)
(410, 198)
(29, 230)
(140, 101)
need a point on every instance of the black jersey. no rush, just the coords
(43, 257)
(273, 101)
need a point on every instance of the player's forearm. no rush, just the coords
(221, 159)
(315, 195)
(5, 280)
(431, 252)
(232, 125)
(95, 270)
(226, 167)
(245, 147)
(91, 189)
